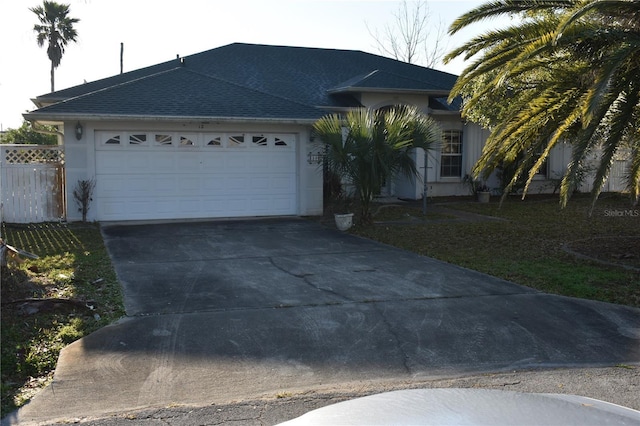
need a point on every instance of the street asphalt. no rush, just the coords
(222, 312)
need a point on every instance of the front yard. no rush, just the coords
(535, 244)
(75, 277)
(563, 252)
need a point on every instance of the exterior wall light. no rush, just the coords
(78, 131)
(315, 157)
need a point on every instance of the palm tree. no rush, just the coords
(569, 70)
(368, 147)
(56, 29)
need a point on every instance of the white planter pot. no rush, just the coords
(483, 197)
(344, 221)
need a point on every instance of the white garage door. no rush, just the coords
(169, 175)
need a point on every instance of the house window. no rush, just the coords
(451, 154)
(259, 140)
(543, 170)
(138, 139)
(217, 141)
(113, 140)
(163, 140)
(280, 142)
(236, 140)
(185, 141)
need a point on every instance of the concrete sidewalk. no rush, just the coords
(233, 311)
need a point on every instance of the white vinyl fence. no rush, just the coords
(31, 183)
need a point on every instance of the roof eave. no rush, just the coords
(36, 116)
(41, 102)
(444, 112)
(388, 90)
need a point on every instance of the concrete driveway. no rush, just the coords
(229, 311)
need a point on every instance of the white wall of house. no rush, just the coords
(78, 166)
(81, 155)
(438, 182)
(618, 173)
(474, 139)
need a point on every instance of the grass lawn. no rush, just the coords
(537, 244)
(73, 265)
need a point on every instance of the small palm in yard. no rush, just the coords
(368, 147)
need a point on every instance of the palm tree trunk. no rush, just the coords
(52, 71)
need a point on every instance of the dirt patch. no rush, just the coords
(624, 251)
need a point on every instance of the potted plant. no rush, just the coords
(478, 188)
(344, 221)
(483, 193)
(343, 213)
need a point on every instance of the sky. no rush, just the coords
(155, 31)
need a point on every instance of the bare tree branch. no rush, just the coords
(410, 37)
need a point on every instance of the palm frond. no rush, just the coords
(620, 116)
(568, 71)
(602, 7)
(506, 7)
(367, 147)
(633, 177)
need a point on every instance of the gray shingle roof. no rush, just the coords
(386, 81)
(246, 81)
(181, 92)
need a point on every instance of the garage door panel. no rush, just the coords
(165, 207)
(188, 161)
(161, 161)
(259, 163)
(259, 183)
(189, 184)
(282, 184)
(237, 206)
(261, 204)
(280, 162)
(112, 208)
(235, 162)
(271, 204)
(214, 205)
(138, 163)
(213, 162)
(110, 186)
(160, 182)
(164, 184)
(213, 185)
(139, 184)
(164, 162)
(237, 183)
(108, 162)
(189, 206)
(282, 204)
(272, 184)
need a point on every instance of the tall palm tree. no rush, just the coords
(56, 29)
(569, 70)
(368, 147)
